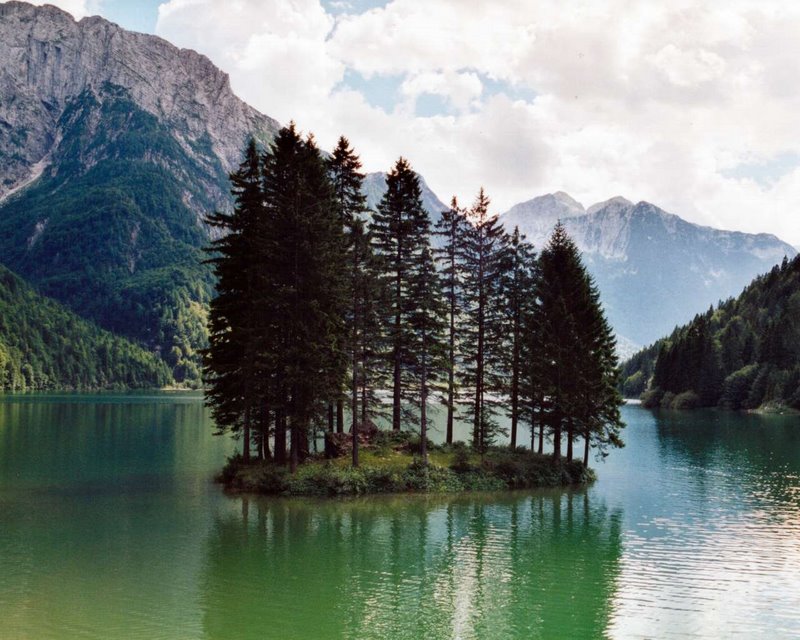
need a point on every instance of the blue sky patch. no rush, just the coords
(765, 172)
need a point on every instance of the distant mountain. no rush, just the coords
(114, 145)
(375, 186)
(654, 269)
(742, 355)
(45, 346)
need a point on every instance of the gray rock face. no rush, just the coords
(49, 59)
(536, 218)
(654, 269)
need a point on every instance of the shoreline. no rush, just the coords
(451, 469)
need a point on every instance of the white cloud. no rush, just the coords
(653, 101)
(460, 89)
(78, 8)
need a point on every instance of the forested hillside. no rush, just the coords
(741, 355)
(44, 346)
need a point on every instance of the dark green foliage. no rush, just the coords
(107, 230)
(45, 346)
(277, 324)
(363, 311)
(451, 231)
(400, 229)
(482, 255)
(571, 372)
(741, 355)
(518, 280)
(234, 368)
(427, 348)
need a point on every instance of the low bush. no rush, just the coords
(686, 400)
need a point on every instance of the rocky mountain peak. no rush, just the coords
(616, 203)
(49, 59)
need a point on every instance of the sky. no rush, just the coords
(693, 106)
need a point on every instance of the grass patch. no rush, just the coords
(393, 467)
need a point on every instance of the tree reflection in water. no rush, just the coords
(538, 565)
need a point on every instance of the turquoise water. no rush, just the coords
(110, 527)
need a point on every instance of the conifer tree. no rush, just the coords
(573, 360)
(451, 228)
(306, 250)
(344, 167)
(400, 227)
(518, 279)
(428, 348)
(481, 257)
(231, 363)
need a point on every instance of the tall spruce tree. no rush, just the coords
(344, 167)
(400, 227)
(518, 281)
(573, 359)
(306, 253)
(231, 363)
(452, 228)
(481, 256)
(428, 348)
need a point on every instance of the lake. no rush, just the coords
(111, 528)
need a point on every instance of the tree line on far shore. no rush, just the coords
(741, 355)
(321, 303)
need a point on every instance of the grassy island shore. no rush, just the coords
(391, 464)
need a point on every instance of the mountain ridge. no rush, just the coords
(654, 269)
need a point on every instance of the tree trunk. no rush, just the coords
(556, 436)
(570, 438)
(397, 340)
(280, 437)
(330, 417)
(586, 450)
(533, 428)
(396, 387)
(340, 415)
(294, 445)
(265, 433)
(423, 411)
(515, 384)
(451, 382)
(246, 434)
(541, 437)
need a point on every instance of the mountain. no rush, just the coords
(45, 346)
(742, 355)
(114, 145)
(375, 186)
(654, 269)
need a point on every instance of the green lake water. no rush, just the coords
(110, 528)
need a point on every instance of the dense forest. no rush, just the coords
(742, 355)
(107, 232)
(321, 303)
(45, 346)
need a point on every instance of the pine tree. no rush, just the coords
(231, 364)
(400, 227)
(428, 348)
(452, 228)
(518, 279)
(574, 359)
(306, 250)
(481, 257)
(344, 167)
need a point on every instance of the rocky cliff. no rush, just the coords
(114, 146)
(49, 59)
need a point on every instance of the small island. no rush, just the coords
(391, 463)
(331, 317)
